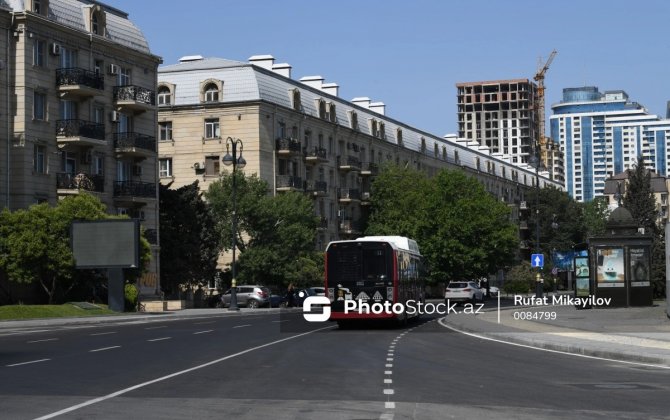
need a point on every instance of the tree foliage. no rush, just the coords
(190, 245)
(639, 198)
(35, 243)
(275, 234)
(462, 231)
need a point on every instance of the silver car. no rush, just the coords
(249, 296)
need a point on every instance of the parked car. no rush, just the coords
(249, 296)
(493, 291)
(463, 291)
(318, 291)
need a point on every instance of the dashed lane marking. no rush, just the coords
(27, 363)
(104, 349)
(42, 341)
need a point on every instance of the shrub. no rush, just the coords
(131, 295)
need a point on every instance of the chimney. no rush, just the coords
(313, 81)
(264, 61)
(378, 107)
(331, 88)
(283, 69)
(363, 101)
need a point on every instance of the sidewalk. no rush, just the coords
(637, 334)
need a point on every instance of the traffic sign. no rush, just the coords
(537, 260)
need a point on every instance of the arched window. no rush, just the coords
(399, 136)
(211, 93)
(164, 96)
(95, 28)
(297, 105)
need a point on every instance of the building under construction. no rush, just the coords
(500, 114)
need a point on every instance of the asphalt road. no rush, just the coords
(280, 367)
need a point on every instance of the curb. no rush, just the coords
(565, 348)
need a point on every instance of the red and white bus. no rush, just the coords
(374, 270)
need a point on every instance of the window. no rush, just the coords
(211, 93)
(67, 110)
(39, 53)
(423, 145)
(39, 159)
(297, 105)
(331, 113)
(164, 95)
(68, 58)
(124, 77)
(99, 114)
(39, 106)
(98, 66)
(40, 6)
(322, 109)
(98, 164)
(212, 165)
(399, 136)
(94, 24)
(354, 120)
(165, 131)
(212, 128)
(165, 168)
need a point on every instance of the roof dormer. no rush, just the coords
(95, 19)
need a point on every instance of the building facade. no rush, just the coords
(617, 185)
(602, 134)
(500, 114)
(78, 110)
(299, 135)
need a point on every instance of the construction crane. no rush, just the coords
(539, 102)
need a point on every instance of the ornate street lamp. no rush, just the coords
(237, 162)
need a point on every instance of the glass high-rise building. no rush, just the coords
(602, 134)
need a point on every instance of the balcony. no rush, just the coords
(523, 225)
(348, 163)
(523, 206)
(316, 155)
(289, 183)
(80, 132)
(134, 98)
(288, 147)
(67, 183)
(316, 188)
(134, 193)
(350, 227)
(135, 144)
(369, 168)
(79, 82)
(349, 195)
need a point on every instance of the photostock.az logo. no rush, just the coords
(322, 302)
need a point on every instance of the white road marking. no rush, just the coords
(105, 333)
(27, 363)
(389, 404)
(160, 339)
(202, 332)
(550, 350)
(389, 359)
(155, 328)
(388, 392)
(242, 326)
(388, 381)
(282, 320)
(388, 372)
(205, 322)
(42, 341)
(104, 348)
(172, 375)
(389, 365)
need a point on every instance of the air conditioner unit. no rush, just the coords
(137, 170)
(199, 166)
(55, 49)
(114, 116)
(113, 69)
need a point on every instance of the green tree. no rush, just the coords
(639, 199)
(276, 234)
(462, 231)
(190, 245)
(35, 244)
(594, 217)
(560, 220)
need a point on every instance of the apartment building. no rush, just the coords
(617, 185)
(78, 110)
(300, 135)
(500, 114)
(602, 134)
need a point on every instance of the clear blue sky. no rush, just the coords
(409, 54)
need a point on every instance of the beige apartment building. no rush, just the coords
(300, 135)
(78, 110)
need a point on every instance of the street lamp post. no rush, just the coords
(237, 162)
(536, 161)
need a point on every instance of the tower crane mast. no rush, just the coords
(539, 103)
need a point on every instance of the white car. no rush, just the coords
(463, 291)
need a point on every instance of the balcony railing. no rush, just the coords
(349, 194)
(289, 182)
(288, 146)
(134, 189)
(80, 128)
(131, 140)
(134, 94)
(369, 168)
(316, 187)
(76, 76)
(348, 162)
(350, 226)
(316, 153)
(81, 181)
